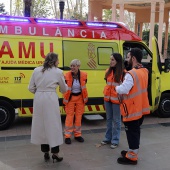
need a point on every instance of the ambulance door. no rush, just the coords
(155, 81)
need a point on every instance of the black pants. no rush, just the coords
(46, 148)
(132, 129)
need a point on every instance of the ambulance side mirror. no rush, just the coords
(167, 64)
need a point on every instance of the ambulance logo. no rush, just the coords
(91, 54)
(18, 79)
(22, 75)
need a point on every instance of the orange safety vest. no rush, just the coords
(136, 104)
(69, 80)
(109, 92)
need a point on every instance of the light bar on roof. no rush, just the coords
(95, 24)
(111, 25)
(15, 19)
(49, 21)
(2, 18)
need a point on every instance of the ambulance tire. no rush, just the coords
(7, 114)
(164, 106)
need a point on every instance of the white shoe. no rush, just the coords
(113, 146)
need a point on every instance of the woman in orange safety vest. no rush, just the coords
(74, 101)
(113, 77)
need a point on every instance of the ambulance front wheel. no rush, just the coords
(7, 114)
(164, 106)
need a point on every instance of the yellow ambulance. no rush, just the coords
(24, 42)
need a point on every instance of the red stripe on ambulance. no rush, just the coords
(97, 107)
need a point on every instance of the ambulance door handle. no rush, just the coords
(157, 77)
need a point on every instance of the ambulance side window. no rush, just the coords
(147, 58)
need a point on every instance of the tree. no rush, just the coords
(107, 15)
(129, 19)
(163, 40)
(53, 4)
(75, 8)
(18, 5)
(10, 7)
(146, 38)
(2, 9)
(41, 8)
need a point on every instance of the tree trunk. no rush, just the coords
(10, 13)
(81, 6)
(55, 9)
(68, 9)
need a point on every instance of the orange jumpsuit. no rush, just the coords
(74, 104)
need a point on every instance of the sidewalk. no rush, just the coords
(16, 152)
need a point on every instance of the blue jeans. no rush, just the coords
(113, 117)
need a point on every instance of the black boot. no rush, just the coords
(79, 139)
(67, 141)
(123, 153)
(126, 161)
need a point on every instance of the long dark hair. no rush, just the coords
(118, 69)
(50, 61)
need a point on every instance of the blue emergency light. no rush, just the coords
(50, 21)
(16, 19)
(98, 24)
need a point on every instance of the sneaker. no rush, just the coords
(113, 146)
(79, 139)
(126, 161)
(105, 142)
(123, 153)
(67, 141)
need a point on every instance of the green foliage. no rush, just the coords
(2, 8)
(163, 40)
(17, 8)
(107, 15)
(41, 8)
(77, 10)
(78, 16)
(146, 37)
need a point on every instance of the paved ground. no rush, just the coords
(16, 152)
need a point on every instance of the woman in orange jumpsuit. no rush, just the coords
(74, 101)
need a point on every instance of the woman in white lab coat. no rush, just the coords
(46, 123)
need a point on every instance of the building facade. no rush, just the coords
(146, 11)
